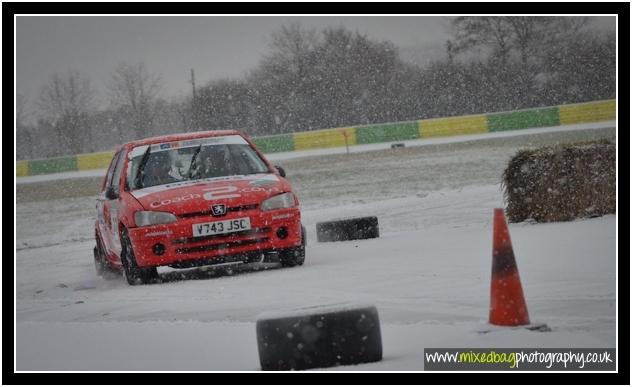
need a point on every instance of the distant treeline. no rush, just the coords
(335, 77)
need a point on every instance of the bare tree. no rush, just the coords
(24, 137)
(521, 48)
(529, 37)
(66, 102)
(282, 78)
(290, 46)
(492, 32)
(20, 109)
(134, 93)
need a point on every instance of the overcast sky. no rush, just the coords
(215, 46)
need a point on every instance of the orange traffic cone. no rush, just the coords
(507, 306)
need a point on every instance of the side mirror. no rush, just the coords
(281, 170)
(110, 194)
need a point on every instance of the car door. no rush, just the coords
(108, 212)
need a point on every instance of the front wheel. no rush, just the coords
(134, 274)
(294, 256)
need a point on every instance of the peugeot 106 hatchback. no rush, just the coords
(194, 199)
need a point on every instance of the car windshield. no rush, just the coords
(197, 161)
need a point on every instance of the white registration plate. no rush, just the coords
(221, 227)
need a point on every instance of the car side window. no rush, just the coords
(116, 176)
(247, 160)
(108, 176)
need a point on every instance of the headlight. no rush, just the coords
(286, 200)
(147, 218)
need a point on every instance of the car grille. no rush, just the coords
(229, 209)
(220, 246)
(224, 241)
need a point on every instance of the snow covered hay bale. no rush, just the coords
(348, 229)
(318, 337)
(561, 183)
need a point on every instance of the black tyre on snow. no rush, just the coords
(319, 337)
(295, 256)
(101, 265)
(348, 229)
(134, 274)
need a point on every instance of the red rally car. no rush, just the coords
(194, 199)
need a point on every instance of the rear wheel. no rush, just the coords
(294, 256)
(134, 274)
(101, 265)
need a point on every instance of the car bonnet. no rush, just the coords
(195, 196)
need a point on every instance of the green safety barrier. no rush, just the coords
(58, 164)
(534, 118)
(397, 131)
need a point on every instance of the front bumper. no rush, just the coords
(173, 244)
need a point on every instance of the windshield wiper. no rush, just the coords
(197, 151)
(138, 182)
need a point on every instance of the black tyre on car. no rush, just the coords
(295, 256)
(101, 266)
(134, 274)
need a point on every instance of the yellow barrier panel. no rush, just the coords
(99, 160)
(588, 112)
(22, 168)
(328, 138)
(452, 126)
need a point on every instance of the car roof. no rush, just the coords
(181, 136)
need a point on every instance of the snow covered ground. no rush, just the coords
(428, 274)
